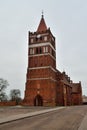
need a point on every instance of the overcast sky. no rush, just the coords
(68, 22)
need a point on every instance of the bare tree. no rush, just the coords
(3, 97)
(15, 95)
(3, 85)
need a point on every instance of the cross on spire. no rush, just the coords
(42, 14)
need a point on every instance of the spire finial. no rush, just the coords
(42, 13)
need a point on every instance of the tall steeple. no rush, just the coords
(42, 25)
(41, 72)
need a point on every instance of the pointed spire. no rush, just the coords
(42, 26)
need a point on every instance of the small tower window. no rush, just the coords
(50, 50)
(40, 38)
(52, 39)
(46, 48)
(45, 38)
(31, 51)
(36, 39)
(40, 50)
(32, 40)
(37, 51)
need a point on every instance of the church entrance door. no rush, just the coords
(38, 101)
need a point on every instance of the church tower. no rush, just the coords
(41, 72)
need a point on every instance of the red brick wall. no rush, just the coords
(45, 88)
(60, 100)
(69, 96)
(76, 99)
(39, 61)
(41, 73)
(11, 103)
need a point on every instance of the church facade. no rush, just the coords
(45, 85)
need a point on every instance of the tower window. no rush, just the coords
(32, 40)
(40, 38)
(45, 49)
(31, 51)
(40, 50)
(50, 50)
(37, 50)
(36, 39)
(52, 39)
(45, 38)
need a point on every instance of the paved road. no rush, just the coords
(68, 118)
(16, 110)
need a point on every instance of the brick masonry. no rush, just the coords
(45, 85)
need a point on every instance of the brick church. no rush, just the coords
(45, 84)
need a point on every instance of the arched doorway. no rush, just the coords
(38, 101)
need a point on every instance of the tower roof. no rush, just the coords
(42, 25)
